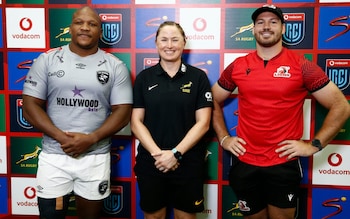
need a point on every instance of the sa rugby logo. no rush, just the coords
(112, 28)
(295, 28)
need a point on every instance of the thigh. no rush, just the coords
(53, 179)
(187, 194)
(153, 193)
(247, 183)
(92, 176)
(88, 209)
(283, 184)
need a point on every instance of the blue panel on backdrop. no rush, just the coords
(3, 195)
(147, 23)
(330, 203)
(19, 64)
(333, 28)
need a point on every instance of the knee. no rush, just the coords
(55, 208)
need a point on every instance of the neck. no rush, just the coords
(170, 68)
(267, 53)
(82, 52)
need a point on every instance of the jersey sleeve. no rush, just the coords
(314, 77)
(122, 88)
(225, 81)
(205, 96)
(35, 84)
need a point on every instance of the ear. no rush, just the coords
(283, 28)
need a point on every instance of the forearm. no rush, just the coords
(144, 136)
(196, 133)
(333, 122)
(117, 120)
(35, 114)
(219, 124)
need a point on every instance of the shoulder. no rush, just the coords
(110, 57)
(193, 70)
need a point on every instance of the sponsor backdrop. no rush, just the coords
(218, 31)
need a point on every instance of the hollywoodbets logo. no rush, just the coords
(295, 28)
(112, 28)
(338, 71)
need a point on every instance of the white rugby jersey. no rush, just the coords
(79, 91)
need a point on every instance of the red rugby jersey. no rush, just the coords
(270, 104)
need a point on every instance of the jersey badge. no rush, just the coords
(186, 88)
(103, 77)
(80, 66)
(282, 72)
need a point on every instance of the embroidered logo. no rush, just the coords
(198, 202)
(290, 197)
(186, 88)
(282, 72)
(102, 188)
(103, 77)
(153, 86)
(208, 96)
(243, 206)
(80, 66)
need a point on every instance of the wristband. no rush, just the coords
(223, 139)
(177, 154)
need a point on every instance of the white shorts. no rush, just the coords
(87, 176)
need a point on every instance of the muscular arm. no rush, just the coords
(235, 144)
(34, 113)
(338, 107)
(80, 143)
(338, 112)
(219, 96)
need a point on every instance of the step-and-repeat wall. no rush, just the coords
(217, 32)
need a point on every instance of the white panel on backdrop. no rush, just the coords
(25, 27)
(230, 57)
(23, 196)
(307, 119)
(3, 155)
(210, 202)
(331, 166)
(202, 27)
(155, 2)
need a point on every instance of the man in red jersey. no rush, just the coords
(273, 83)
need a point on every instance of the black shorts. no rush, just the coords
(183, 194)
(256, 187)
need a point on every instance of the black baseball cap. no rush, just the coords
(270, 8)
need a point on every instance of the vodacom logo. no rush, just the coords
(26, 24)
(199, 24)
(335, 159)
(29, 192)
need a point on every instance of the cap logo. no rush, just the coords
(269, 6)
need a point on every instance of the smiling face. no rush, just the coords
(268, 29)
(170, 42)
(85, 30)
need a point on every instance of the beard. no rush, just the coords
(271, 41)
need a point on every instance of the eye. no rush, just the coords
(78, 22)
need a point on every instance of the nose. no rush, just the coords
(85, 26)
(169, 43)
